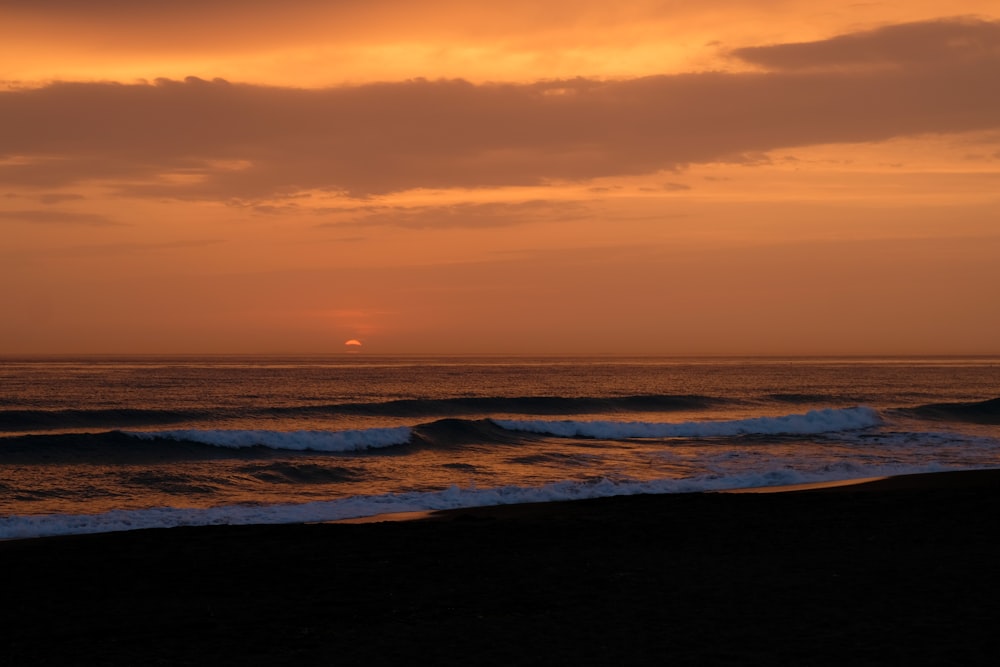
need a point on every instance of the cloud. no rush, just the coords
(488, 214)
(942, 43)
(47, 197)
(57, 217)
(667, 187)
(202, 139)
(58, 198)
(131, 249)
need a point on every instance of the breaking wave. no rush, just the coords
(188, 444)
(454, 497)
(810, 423)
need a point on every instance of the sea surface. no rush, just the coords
(103, 444)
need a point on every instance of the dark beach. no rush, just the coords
(899, 571)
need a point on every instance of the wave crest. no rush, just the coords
(454, 497)
(810, 423)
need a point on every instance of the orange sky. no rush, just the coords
(686, 177)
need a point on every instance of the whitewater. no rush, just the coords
(102, 445)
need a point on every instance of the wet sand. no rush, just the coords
(897, 571)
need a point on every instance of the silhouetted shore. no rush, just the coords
(900, 571)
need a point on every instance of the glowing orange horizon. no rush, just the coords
(798, 178)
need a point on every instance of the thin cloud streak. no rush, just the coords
(58, 218)
(466, 214)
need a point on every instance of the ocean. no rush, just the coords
(104, 444)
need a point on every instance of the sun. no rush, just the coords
(354, 342)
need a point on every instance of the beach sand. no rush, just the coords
(902, 571)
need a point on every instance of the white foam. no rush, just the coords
(813, 422)
(20, 527)
(323, 441)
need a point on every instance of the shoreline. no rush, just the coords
(930, 480)
(894, 571)
(907, 480)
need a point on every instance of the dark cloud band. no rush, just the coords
(217, 140)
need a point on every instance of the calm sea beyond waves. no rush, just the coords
(105, 444)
